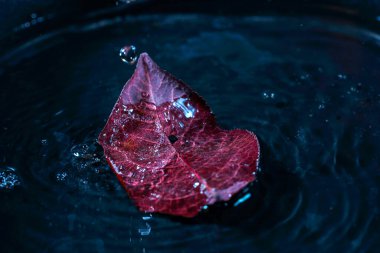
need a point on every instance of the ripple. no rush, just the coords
(318, 187)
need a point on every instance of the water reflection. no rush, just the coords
(185, 106)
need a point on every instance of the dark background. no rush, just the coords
(14, 13)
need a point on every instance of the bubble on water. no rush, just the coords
(146, 230)
(61, 176)
(353, 89)
(34, 20)
(267, 95)
(8, 178)
(128, 54)
(80, 150)
(342, 76)
(84, 156)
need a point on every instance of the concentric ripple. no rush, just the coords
(307, 87)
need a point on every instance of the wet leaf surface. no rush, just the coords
(165, 146)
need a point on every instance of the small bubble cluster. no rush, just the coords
(267, 95)
(61, 176)
(8, 178)
(84, 156)
(342, 76)
(34, 20)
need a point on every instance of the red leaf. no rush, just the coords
(164, 145)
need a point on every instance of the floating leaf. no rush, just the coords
(164, 145)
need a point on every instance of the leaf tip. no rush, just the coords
(145, 61)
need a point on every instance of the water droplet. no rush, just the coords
(267, 95)
(61, 176)
(342, 76)
(128, 54)
(8, 178)
(80, 150)
(321, 106)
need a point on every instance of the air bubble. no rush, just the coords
(146, 230)
(80, 150)
(61, 176)
(267, 95)
(8, 178)
(342, 76)
(128, 54)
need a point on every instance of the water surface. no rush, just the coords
(307, 86)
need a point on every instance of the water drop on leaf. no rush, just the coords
(172, 138)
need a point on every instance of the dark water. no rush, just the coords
(308, 87)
